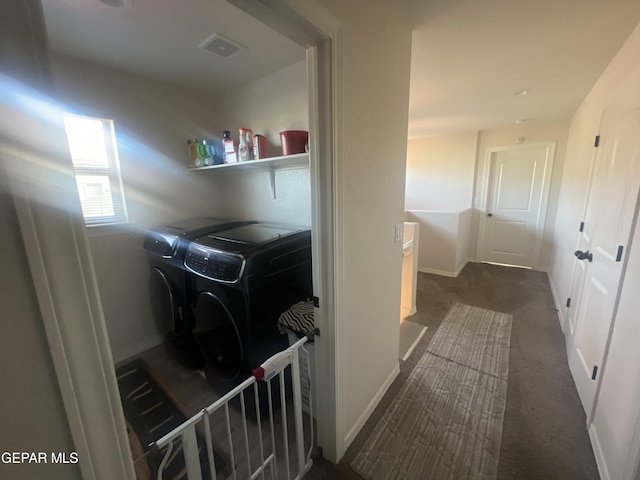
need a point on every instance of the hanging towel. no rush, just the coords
(298, 318)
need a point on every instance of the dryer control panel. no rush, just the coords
(213, 264)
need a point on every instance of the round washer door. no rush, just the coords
(217, 336)
(163, 302)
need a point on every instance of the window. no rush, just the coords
(92, 143)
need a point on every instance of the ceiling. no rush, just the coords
(160, 38)
(469, 57)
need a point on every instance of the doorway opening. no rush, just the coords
(319, 59)
(410, 332)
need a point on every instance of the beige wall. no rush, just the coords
(32, 413)
(440, 172)
(374, 111)
(465, 248)
(439, 194)
(274, 103)
(617, 412)
(439, 238)
(445, 246)
(153, 121)
(268, 106)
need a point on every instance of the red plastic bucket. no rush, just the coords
(293, 141)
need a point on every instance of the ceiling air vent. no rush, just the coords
(221, 45)
(117, 3)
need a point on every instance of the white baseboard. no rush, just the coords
(371, 407)
(137, 348)
(434, 271)
(556, 300)
(414, 344)
(445, 273)
(407, 312)
(598, 453)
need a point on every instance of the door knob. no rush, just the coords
(489, 214)
(584, 255)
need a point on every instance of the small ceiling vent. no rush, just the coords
(117, 3)
(221, 45)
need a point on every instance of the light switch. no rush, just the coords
(399, 232)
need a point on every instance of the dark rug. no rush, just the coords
(446, 421)
(150, 414)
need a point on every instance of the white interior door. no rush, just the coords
(579, 271)
(517, 190)
(608, 223)
(577, 281)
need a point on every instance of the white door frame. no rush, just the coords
(313, 27)
(484, 195)
(66, 287)
(39, 174)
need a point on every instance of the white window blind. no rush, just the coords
(92, 143)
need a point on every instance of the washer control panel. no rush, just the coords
(213, 264)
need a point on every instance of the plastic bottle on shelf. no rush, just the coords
(193, 152)
(197, 155)
(230, 155)
(246, 144)
(205, 153)
(216, 151)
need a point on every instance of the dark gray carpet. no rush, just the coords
(410, 334)
(544, 433)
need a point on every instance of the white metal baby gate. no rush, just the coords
(270, 457)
